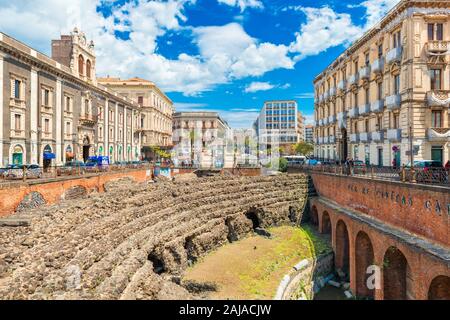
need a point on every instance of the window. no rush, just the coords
(141, 100)
(366, 125)
(380, 122)
(435, 31)
(435, 79)
(80, 65)
(397, 84)
(68, 130)
(356, 66)
(46, 125)
(436, 119)
(380, 90)
(397, 39)
(17, 93)
(17, 122)
(367, 59)
(367, 95)
(380, 50)
(88, 68)
(100, 132)
(356, 100)
(68, 104)
(396, 121)
(46, 97)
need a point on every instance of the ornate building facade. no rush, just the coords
(386, 99)
(54, 111)
(156, 110)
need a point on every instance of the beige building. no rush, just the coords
(300, 127)
(52, 109)
(156, 110)
(389, 92)
(202, 139)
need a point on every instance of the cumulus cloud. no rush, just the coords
(259, 86)
(226, 52)
(323, 29)
(376, 10)
(243, 4)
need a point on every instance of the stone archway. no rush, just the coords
(439, 288)
(314, 217)
(396, 276)
(364, 257)
(342, 260)
(326, 223)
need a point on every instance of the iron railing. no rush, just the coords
(435, 176)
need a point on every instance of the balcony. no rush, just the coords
(438, 134)
(393, 102)
(320, 98)
(342, 119)
(331, 139)
(438, 46)
(353, 79)
(325, 96)
(353, 113)
(88, 120)
(332, 92)
(320, 140)
(325, 140)
(364, 109)
(364, 73)
(325, 121)
(364, 136)
(394, 135)
(320, 122)
(377, 136)
(438, 98)
(394, 55)
(354, 138)
(332, 119)
(342, 85)
(378, 66)
(377, 106)
(17, 103)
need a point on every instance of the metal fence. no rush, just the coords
(435, 176)
(35, 172)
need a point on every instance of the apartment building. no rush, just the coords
(156, 111)
(53, 110)
(279, 121)
(386, 99)
(202, 139)
(309, 133)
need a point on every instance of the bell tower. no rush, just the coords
(75, 52)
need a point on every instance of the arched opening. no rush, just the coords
(396, 276)
(47, 157)
(80, 65)
(86, 148)
(314, 216)
(111, 154)
(17, 155)
(342, 259)
(439, 288)
(100, 150)
(326, 223)
(88, 68)
(253, 216)
(364, 258)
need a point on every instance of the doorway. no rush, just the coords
(86, 149)
(17, 156)
(380, 157)
(47, 157)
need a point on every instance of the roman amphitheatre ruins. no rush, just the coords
(136, 240)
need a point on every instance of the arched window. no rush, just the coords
(88, 68)
(80, 64)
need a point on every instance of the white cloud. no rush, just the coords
(324, 28)
(258, 86)
(243, 4)
(376, 10)
(305, 95)
(226, 52)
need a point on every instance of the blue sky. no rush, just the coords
(220, 55)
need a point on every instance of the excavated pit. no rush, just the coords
(132, 241)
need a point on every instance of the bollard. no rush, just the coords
(403, 174)
(413, 175)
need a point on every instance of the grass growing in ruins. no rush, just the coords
(253, 267)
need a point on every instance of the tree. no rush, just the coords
(304, 148)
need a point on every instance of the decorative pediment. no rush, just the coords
(366, 84)
(378, 78)
(354, 88)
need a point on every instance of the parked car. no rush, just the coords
(72, 167)
(15, 171)
(427, 171)
(359, 167)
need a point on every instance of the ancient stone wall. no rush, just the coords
(135, 241)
